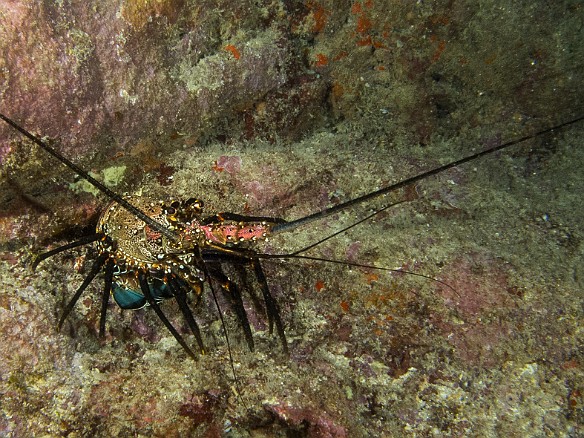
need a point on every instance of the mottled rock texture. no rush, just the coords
(282, 108)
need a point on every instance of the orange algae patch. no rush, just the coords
(319, 15)
(439, 51)
(217, 168)
(575, 399)
(381, 323)
(357, 7)
(378, 300)
(337, 90)
(233, 50)
(319, 285)
(342, 54)
(365, 41)
(372, 278)
(363, 24)
(321, 60)
(570, 364)
(345, 306)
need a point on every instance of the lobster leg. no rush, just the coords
(250, 258)
(234, 294)
(95, 268)
(107, 289)
(247, 281)
(272, 309)
(83, 241)
(146, 291)
(180, 294)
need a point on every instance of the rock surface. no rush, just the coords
(283, 108)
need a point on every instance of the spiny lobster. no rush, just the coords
(155, 250)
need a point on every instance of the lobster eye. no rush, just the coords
(170, 210)
(195, 202)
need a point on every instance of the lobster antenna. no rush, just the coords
(408, 181)
(296, 256)
(95, 183)
(225, 333)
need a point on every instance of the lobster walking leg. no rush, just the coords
(179, 291)
(234, 294)
(95, 268)
(146, 291)
(272, 308)
(83, 241)
(250, 258)
(107, 289)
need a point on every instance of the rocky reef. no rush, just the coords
(283, 108)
